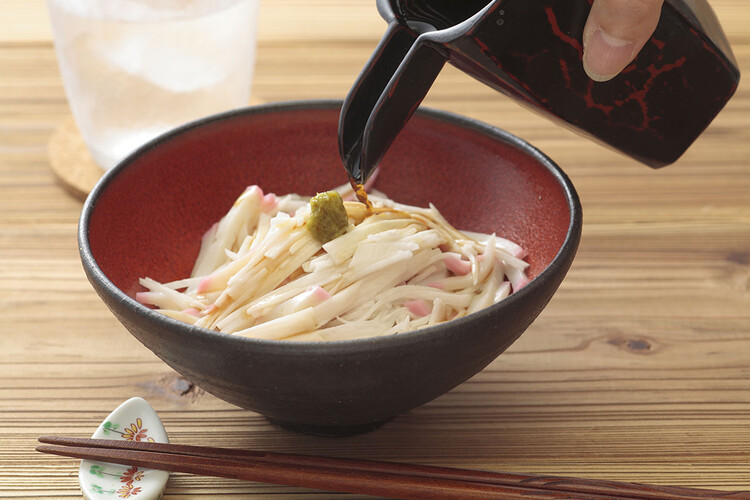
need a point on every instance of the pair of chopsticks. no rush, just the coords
(386, 479)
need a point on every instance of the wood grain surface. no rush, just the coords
(638, 370)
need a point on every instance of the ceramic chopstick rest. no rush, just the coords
(133, 420)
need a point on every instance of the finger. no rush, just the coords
(616, 30)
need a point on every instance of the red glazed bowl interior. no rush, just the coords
(150, 218)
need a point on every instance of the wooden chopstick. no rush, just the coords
(394, 480)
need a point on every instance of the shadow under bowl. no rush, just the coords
(147, 215)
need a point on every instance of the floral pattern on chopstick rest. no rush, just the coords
(134, 420)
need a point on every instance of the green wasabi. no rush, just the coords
(328, 218)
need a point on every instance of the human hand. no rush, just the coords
(616, 30)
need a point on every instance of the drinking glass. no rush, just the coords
(134, 69)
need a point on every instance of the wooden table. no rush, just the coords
(638, 370)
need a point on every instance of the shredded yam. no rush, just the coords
(395, 268)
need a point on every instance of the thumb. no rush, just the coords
(616, 30)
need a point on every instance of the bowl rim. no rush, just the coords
(291, 347)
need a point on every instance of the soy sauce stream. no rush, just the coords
(359, 190)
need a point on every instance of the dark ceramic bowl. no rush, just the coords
(146, 217)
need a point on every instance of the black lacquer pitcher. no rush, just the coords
(531, 50)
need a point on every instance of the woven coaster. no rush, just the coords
(71, 161)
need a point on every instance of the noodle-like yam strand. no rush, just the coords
(262, 273)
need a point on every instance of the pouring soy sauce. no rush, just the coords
(531, 50)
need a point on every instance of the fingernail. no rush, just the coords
(604, 56)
